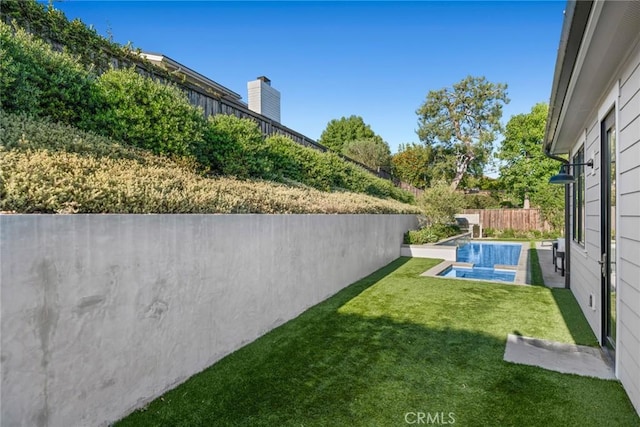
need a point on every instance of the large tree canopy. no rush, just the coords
(373, 152)
(525, 169)
(465, 121)
(354, 138)
(412, 164)
(346, 129)
(420, 165)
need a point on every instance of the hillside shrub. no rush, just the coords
(235, 147)
(283, 153)
(49, 167)
(36, 80)
(145, 113)
(326, 170)
(292, 161)
(92, 50)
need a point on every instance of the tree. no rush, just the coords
(372, 152)
(412, 164)
(343, 130)
(464, 119)
(525, 170)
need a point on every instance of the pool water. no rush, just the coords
(484, 257)
(480, 273)
(489, 254)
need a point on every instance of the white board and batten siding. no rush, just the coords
(585, 269)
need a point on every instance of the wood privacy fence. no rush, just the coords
(516, 219)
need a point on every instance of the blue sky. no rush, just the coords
(377, 60)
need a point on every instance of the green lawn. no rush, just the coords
(395, 345)
(534, 266)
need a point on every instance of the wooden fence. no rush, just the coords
(516, 219)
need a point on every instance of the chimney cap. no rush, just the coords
(265, 79)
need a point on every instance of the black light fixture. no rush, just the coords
(564, 177)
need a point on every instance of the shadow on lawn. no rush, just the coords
(327, 368)
(573, 317)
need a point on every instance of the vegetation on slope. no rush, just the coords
(141, 112)
(49, 167)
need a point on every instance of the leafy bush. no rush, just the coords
(36, 80)
(51, 25)
(440, 203)
(510, 233)
(481, 201)
(488, 232)
(371, 152)
(145, 113)
(430, 234)
(292, 161)
(53, 168)
(326, 171)
(234, 146)
(23, 131)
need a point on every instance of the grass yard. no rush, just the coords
(395, 345)
(534, 266)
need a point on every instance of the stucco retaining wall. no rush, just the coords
(102, 313)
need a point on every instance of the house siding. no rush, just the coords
(585, 270)
(629, 228)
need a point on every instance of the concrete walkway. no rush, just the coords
(551, 278)
(559, 357)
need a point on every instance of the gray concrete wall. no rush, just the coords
(101, 313)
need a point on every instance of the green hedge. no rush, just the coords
(431, 234)
(145, 113)
(92, 50)
(325, 171)
(234, 147)
(510, 233)
(36, 80)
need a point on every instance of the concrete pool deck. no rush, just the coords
(520, 269)
(552, 278)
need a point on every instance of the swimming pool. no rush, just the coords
(479, 273)
(482, 258)
(482, 254)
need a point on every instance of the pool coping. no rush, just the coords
(521, 268)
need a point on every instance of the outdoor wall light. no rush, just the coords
(564, 177)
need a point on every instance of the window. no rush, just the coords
(578, 198)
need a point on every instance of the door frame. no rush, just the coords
(608, 120)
